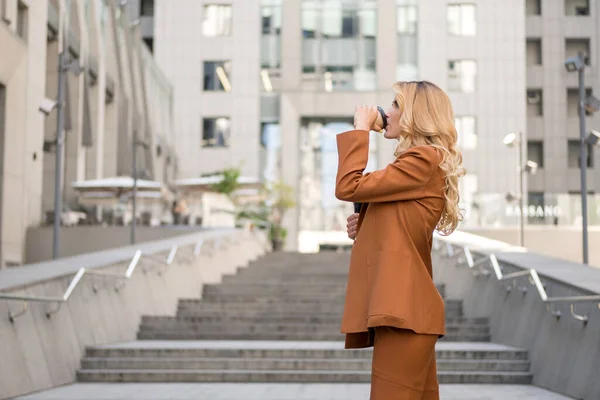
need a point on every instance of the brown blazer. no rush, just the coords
(390, 281)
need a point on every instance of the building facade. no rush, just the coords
(113, 88)
(555, 31)
(266, 85)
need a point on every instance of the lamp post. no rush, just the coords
(529, 167)
(578, 64)
(60, 129)
(511, 140)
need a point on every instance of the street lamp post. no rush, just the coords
(511, 140)
(578, 64)
(60, 131)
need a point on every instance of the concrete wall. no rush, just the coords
(23, 74)
(564, 354)
(180, 49)
(84, 239)
(38, 353)
(560, 242)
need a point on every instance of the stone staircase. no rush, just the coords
(278, 321)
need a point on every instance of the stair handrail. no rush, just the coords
(479, 268)
(81, 272)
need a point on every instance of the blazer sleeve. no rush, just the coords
(404, 179)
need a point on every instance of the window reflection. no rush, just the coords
(461, 19)
(467, 134)
(407, 51)
(319, 208)
(339, 46)
(217, 20)
(462, 76)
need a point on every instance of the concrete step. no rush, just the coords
(176, 334)
(279, 327)
(162, 375)
(297, 364)
(287, 349)
(259, 318)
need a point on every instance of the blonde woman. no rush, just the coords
(391, 300)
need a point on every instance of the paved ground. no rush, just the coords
(260, 391)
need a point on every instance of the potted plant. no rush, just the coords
(280, 200)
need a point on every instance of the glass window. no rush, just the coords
(579, 45)
(533, 7)
(147, 7)
(216, 76)
(577, 7)
(270, 41)
(22, 20)
(407, 20)
(217, 20)
(535, 103)
(467, 133)
(573, 158)
(534, 51)
(339, 46)
(462, 76)
(573, 102)
(535, 152)
(216, 132)
(461, 19)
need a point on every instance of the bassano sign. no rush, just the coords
(534, 211)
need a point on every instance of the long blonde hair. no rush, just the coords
(427, 119)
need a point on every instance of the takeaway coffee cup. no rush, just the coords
(381, 120)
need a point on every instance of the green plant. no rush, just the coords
(229, 182)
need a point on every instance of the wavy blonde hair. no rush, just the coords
(427, 119)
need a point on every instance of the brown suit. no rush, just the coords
(390, 280)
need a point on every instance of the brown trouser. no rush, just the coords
(403, 365)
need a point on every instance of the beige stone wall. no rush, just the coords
(39, 353)
(23, 74)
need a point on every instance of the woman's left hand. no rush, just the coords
(365, 117)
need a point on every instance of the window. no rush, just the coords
(147, 8)
(577, 7)
(535, 152)
(335, 33)
(461, 19)
(576, 46)
(467, 133)
(216, 132)
(271, 20)
(407, 20)
(462, 76)
(573, 102)
(533, 7)
(216, 76)
(573, 159)
(217, 20)
(534, 51)
(535, 104)
(270, 45)
(150, 43)
(22, 20)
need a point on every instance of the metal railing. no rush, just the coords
(158, 262)
(479, 267)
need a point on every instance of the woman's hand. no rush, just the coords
(352, 225)
(365, 118)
